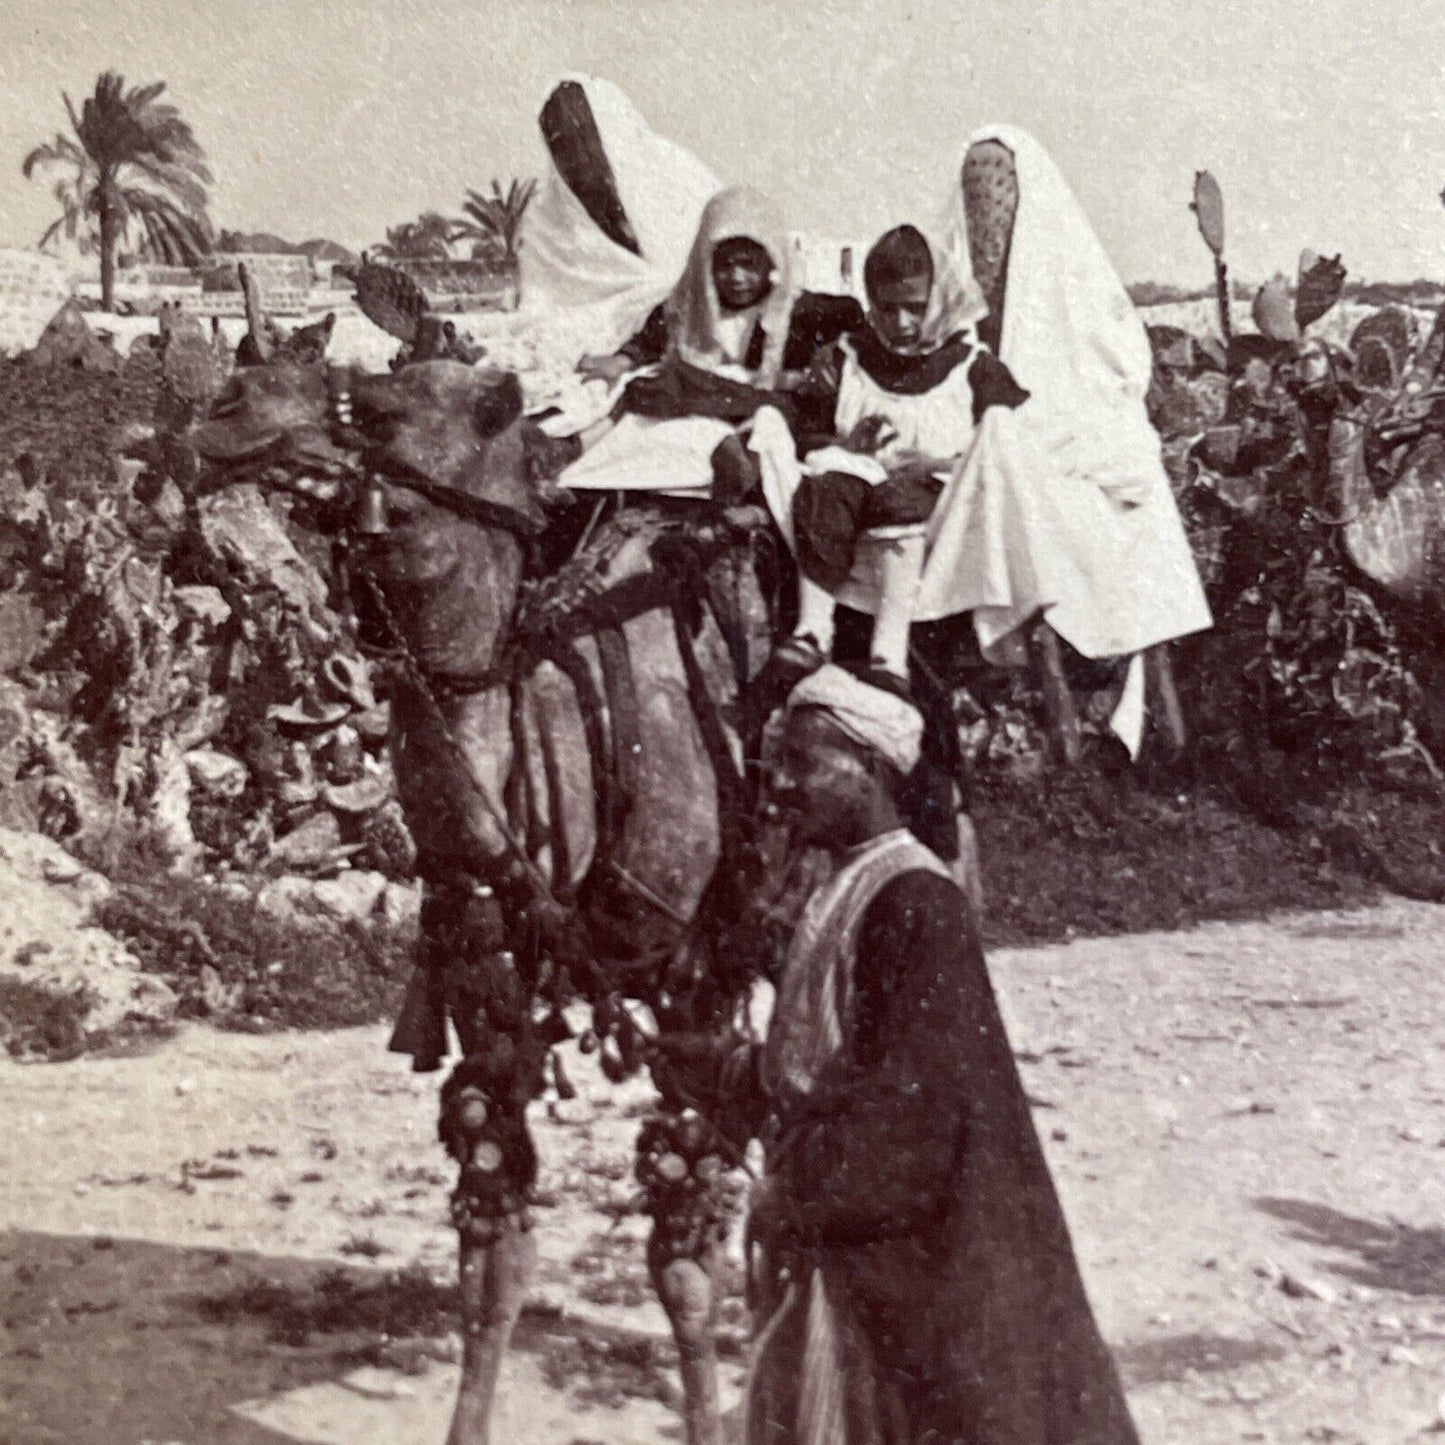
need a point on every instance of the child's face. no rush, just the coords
(898, 309)
(742, 273)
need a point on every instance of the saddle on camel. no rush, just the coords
(579, 687)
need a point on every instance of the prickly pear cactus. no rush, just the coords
(390, 299)
(192, 371)
(1321, 279)
(1272, 312)
(1208, 208)
(1382, 345)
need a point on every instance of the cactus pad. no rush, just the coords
(1208, 208)
(1321, 279)
(1273, 313)
(390, 299)
(189, 363)
(1382, 345)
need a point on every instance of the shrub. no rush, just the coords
(239, 964)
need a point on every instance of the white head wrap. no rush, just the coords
(693, 308)
(955, 300)
(870, 716)
(568, 263)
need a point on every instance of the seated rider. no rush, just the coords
(732, 337)
(885, 415)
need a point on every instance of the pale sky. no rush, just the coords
(1324, 120)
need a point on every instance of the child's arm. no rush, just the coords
(647, 346)
(815, 401)
(907, 464)
(818, 323)
(993, 384)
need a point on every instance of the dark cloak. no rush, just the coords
(914, 1178)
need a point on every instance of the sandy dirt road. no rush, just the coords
(1247, 1124)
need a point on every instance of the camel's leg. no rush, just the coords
(484, 1126)
(689, 1198)
(495, 1278)
(688, 1289)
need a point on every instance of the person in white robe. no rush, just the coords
(590, 276)
(568, 261)
(1060, 509)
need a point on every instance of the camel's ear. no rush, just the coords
(328, 323)
(498, 406)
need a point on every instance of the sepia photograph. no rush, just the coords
(722, 722)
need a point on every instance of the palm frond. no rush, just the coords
(60, 151)
(498, 217)
(426, 238)
(175, 235)
(188, 190)
(144, 95)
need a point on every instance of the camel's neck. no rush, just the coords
(455, 629)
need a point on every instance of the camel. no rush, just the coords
(569, 760)
(574, 789)
(570, 749)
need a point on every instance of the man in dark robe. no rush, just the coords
(913, 1278)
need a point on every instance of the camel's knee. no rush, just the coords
(688, 1293)
(484, 1127)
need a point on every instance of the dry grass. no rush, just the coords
(400, 1303)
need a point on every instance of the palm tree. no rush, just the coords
(494, 221)
(425, 239)
(135, 169)
(70, 196)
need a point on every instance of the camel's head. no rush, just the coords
(446, 425)
(273, 415)
(444, 421)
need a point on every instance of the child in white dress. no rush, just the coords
(885, 414)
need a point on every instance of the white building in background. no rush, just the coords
(829, 265)
(33, 287)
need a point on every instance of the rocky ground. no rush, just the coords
(240, 1240)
